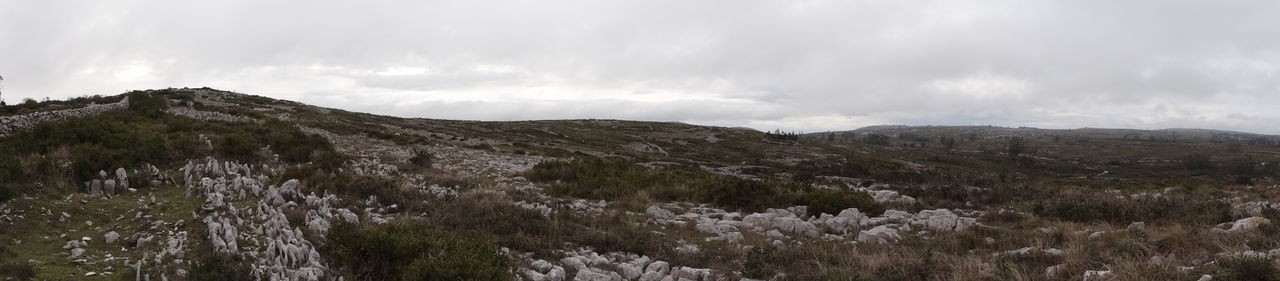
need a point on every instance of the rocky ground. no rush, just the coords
(158, 222)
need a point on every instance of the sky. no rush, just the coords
(793, 65)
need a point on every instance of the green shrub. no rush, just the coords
(148, 104)
(493, 216)
(17, 271)
(12, 171)
(293, 145)
(740, 193)
(422, 158)
(217, 268)
(833, 201)
(347, 185)
(1198, 162)
(411, 250)
(1174, 207)
(238, 146)
(613, 179)
(1247, 269)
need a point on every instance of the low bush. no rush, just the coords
(149, 104)
(238, 146)
(293, 145)
(218, 267)
(1247, 269)
(411, 250)
(422, 158)
(1181, 208)
(740, 193)
(614, 179)
(347, 185)
(17, 271)
(489, 216)
(833, 201)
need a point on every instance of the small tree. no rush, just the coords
(1017, 146)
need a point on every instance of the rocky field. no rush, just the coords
(200, 184)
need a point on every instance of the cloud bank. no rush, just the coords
(794, 65)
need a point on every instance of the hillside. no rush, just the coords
(202, 184)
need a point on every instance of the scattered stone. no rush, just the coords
(1247, 224)
(1097, 275)
(660, 213)
(110, 237)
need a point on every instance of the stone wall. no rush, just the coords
(13, 124)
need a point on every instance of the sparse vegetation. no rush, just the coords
(825, 201)
(410, 250)
(218, 267)
(141, 135)
(614, 179)
(1248, 269)
(1006, 203)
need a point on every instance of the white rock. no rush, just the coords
(1053, 271)
(879, 234)
(796, 225)
(660, 213)
(594, 274)
(110, 237)
(713, 227)
(660, 267)
(759, 219)
(1250, 223)
(942, 220)
(1097, 275)
(541, 265)
(688, 249)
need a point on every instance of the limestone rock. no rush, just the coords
(95, 187)
(660, 213)
(879, 234)
(109, 188)
(1247, 224)
(1097, 275)
(110, 237)
(122, 178)
(942, 220)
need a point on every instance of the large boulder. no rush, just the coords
(1247, 224)
(109, 187)
(796, 225)
(1097, 275)
(95, 187)
(759, 219)
(879, 234)
(942, 220)
(659, 213)
(110, 237)
(848, 220)
(122, 178)
(594, 274)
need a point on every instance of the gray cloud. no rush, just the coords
(802, 65)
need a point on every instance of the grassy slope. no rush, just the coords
(35, 228)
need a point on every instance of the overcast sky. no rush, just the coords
(794, 65)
